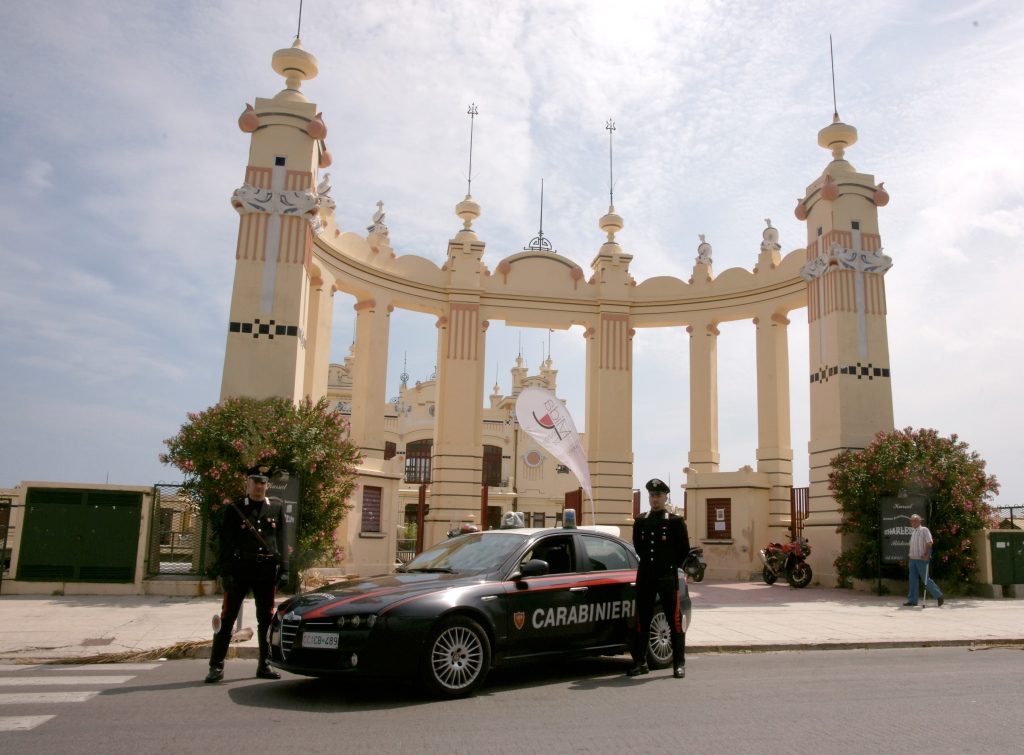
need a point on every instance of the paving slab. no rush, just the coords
(727, 616)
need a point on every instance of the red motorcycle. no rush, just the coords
(789, 560)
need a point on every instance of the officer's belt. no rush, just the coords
(256, 556)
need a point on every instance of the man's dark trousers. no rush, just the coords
(666, 589)
(261, 578)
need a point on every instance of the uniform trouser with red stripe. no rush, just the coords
(664, 589)
(261, 578)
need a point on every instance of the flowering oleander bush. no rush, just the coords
(921, 462)
(216, 446)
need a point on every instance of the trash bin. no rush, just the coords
(1007, 558)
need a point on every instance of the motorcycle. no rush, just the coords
(694, 564)
(789, 560)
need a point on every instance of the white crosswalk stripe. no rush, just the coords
(22, 723)
(47, 681)
(19, 685)
(32, 698)
(99, 667)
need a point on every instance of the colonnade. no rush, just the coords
(291, 258)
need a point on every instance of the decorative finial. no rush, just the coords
(610, 127)
(295, 65)
(769, 237)
(378, 221)
(538, 243)
(703, 252)
(837, 136)
(472, 113)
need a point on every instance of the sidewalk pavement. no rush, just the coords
(727, 616)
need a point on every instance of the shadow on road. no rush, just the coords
(341, 694)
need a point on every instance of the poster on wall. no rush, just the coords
(287, 489)
(895, 516)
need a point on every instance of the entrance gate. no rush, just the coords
(80, 535)
(177, 534)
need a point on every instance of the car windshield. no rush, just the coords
(477, 552)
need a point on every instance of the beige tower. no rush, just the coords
(609, 339)
(455, 492)
(850, 388)
(280, 210)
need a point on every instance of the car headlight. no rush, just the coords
(355, 622)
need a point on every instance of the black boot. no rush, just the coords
(678, 657)
(216, 674)
(264, 671)
(639, 654)
(638, 669)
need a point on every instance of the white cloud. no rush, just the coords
(119, 241)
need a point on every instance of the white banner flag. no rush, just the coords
(545, 419)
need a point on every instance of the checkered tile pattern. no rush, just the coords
(860, 371)
(270, 328)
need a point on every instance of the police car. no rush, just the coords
(471, 603)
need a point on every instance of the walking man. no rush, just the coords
(253, 556)
(662, 543)
(920, 555)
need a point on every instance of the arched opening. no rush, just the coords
(417, 461)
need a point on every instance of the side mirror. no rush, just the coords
(535, 567)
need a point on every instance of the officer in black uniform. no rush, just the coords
(253, 556)
(662, 543)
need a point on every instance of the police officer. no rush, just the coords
(253, 556)
(662, 543)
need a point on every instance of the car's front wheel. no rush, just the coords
(457, 658)
(659, 641)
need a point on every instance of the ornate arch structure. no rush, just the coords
(292, 257)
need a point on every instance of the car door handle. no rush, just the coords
(578, 589)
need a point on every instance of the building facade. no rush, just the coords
(292, 258)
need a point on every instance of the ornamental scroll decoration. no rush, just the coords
(310, 205)
(846, 259)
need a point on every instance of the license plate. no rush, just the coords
(320, 640)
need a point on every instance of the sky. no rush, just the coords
(119, 131)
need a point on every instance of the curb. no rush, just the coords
(252, 653)
(973, 644)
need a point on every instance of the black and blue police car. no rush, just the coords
(473, 602)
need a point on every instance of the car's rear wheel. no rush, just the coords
(457, 658)
(659, 641)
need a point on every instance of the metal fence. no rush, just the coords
(6, 505)
(798, 508)
(405, 550)
(177, 534)
(1009, 517)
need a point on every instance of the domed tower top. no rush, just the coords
(296, 65)
(837, 136)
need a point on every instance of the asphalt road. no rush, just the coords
(933, 700)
